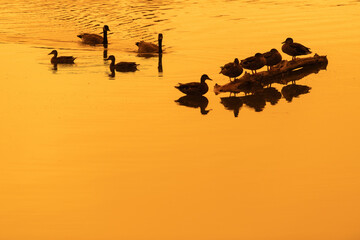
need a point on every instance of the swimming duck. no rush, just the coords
(195, 88)
(63, 59)
(122, 66)
(253, 63)
(232, 69)
(93, 39)
(272, 58)
(148, 47)
(294, 49)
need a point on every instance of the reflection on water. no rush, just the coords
(195, 102)
(293, 90)
(259, 95)
(83, 157)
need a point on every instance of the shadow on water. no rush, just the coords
(195, 102)
(256, 96)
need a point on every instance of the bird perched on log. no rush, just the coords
(195, 88)
(148, 47)
(63, 59)
(294, 49)
(254, 63)
(93, 39)
(122, 66)
(272, 58)
(232, 69)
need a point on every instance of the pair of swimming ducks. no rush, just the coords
(95, 39)
(235, 69)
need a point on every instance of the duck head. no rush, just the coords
(273, 50)
(205, 77)
(53, 52)
(288, 40)
(112, 58)
(106, 28)
(236, 61)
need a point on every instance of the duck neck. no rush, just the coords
(105, 42)
(160, 45)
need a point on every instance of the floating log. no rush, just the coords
(282, 73)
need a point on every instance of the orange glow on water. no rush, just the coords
(88, 156)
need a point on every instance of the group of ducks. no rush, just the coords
(232, 69)
(253, 63)
(95, 39)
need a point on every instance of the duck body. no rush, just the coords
(122, 66)
(148, 47)
(272, 58)
(294, 49)
(195, 88)
(93, 39)
(232, 69)
(63, 59)
(254, 63)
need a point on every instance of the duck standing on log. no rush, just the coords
(93, 39)
(63, 59)
(195, 88)
(148, 47)
(122, 66)
(272, 58)
(254, 63)
(294, 49)
(232, 69)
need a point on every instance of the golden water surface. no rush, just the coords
(88, 156)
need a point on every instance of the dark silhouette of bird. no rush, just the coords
(93, 39)
(63, 59)
(232, 69)
(272, 58)
(253, 63)
(195, 88)
(148, 47)
(294, 49)
(122, 66)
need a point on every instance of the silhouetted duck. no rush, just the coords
(63, 59)
(195, 88)
(272, 58)
(148, 47)
(93, 39)
(254, 63)
(232, 69)
(294, 49)
(122, 66)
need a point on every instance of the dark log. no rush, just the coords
(282, 73)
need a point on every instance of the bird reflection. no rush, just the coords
(105, 53)
(232, 104)
(194, 101)
(255, 101)
(271, 95)
(293, 90)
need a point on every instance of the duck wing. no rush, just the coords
(64, 59)
(126, 66)
(299, 48)
(91, 38)
(193, 88)
(147, 47)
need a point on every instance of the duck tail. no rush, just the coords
(80, 36)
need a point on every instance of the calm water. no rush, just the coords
(88, 156)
